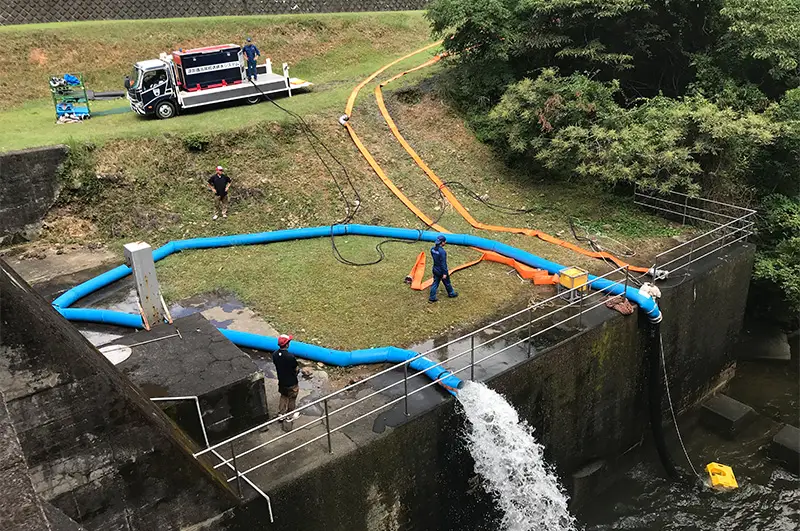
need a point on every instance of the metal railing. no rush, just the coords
(722, 225)
(214, 452)
(536, 320)
(728, 224)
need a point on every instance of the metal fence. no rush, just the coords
(36, 11)
(719, 225)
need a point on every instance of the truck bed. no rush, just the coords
(267, 83)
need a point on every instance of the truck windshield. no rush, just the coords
(136, 78)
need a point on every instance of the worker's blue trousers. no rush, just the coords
(435, 286)
(251, 69)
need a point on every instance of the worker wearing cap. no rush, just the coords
(286, 367)
(219, 183)
(251, 52)
(440, 270)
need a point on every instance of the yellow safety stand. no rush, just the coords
(721, 476)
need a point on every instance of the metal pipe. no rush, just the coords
(152, 340)
(197, 405)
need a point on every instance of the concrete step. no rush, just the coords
(785, 447)
(726, 416)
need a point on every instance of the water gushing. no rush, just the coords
(511, 465)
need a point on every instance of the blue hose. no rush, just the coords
(313, 352)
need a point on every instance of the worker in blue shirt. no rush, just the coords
(440, 270)
(251, 52)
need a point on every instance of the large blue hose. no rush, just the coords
(314, 352)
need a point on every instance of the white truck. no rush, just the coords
(188, 79)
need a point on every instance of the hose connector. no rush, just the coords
(343, 119)
(658, 274)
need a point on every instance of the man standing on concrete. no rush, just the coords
(440, 270)
(219, 183)
(286, 367)
(251, 52)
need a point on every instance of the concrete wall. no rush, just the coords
(32, 11)
(95, 447)
(586, 398)
(30, 187)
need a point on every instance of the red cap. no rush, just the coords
(284, 339)
(219, 168)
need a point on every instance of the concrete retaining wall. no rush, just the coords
(30, 187)
(95, 447)
(586, 397)
(32, 11)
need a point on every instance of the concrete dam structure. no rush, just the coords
(86, 449)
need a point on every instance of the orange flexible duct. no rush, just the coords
(453, 200)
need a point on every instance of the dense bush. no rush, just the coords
(678, 94)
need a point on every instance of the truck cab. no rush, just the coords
(152, 89)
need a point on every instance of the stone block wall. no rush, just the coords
(30, 187)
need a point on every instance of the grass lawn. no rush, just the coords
(333, 51)
(153, 189)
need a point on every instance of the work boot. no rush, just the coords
(432, 300)
(215, 217)
(453, 295)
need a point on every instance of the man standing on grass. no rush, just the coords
(286, 367)
(251, 52)
(440, 271)
(219, 183)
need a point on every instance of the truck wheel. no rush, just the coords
(165, 109)
(252, 100)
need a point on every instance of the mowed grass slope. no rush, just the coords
(331, 50)
(154, 190)
(145, 180)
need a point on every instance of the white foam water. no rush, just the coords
(511, 464)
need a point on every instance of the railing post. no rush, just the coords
(655, 269)
(328, 427)
(685, 206)
(405, 387)
(627, 279)
(236, 471)
(530, 322)
(472, 358)
(580, 309)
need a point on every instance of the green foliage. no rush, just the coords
(682, 95)
(766, 31)
(778, 261)
(572, 126)
(196, 142)
(78, 176)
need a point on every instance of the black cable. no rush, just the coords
(309, 134)
(493, 206)
(349, 215)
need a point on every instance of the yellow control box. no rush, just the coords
(721, 476)
(574, 277)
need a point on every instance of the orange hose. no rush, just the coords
(453, 200)
(368, 156)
